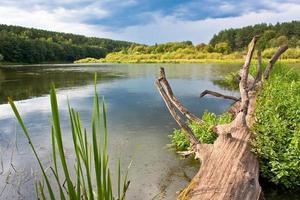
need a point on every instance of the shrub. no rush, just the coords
(202, 131)
(277, 128)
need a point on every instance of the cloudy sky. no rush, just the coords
(146, 21)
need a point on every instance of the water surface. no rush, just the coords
(138, 121)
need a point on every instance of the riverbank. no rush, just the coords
(185, 53)
(276, 128)
(183, 61)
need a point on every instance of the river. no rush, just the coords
(138, 121)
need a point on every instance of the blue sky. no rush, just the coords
(152, 21)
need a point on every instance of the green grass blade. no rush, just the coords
(55, 171)
(62, 195)
(41, 188)
(58, 136)
(119, 179)
(20, 120)
(78, 184)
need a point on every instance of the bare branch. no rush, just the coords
(244, 76)
(259, 70)
(217, 94)
(274, 58)
(259, 67)
(183, 125)
(245, 68)
(174, 100)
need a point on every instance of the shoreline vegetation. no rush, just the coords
(185, 52)
(178, 61)
(276, 128)
(228, 46)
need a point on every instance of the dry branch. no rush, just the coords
(273, 60)
(229, 170)
(217, 94)
(174, 100)
(259, 68)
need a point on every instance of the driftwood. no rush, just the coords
(229, 170)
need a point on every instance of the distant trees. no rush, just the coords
(19, 44)
(271, 36)
(28, 45)
(222, 47)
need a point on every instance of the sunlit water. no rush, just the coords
(138, 121)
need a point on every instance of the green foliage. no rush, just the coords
(222, 47)
(88, 60)
(183, 53)
(1, 57)
(271, 36)
(91, 158)
(28, 45)
(277, 128)
(203, 131)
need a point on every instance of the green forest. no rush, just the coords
(230, 44)
(29, 45)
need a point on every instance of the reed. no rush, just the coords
(91, 158)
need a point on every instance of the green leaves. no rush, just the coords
(203, 131)
(277, 128)
(90, 158)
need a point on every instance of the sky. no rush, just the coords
(147, 22)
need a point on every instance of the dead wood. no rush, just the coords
(217, 94)
(229, 170)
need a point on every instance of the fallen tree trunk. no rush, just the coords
(229, 170)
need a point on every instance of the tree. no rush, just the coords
(281, 40)
(222, 47)
(28, 45)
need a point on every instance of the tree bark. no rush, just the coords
(229, 170)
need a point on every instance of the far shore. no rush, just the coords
(170, 61)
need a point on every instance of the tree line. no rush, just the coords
(232, 40)
(29, 45)
(271, 36)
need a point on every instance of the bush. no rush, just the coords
(277, 129)
(203, 131)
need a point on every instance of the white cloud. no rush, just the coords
(172, 29)
(58, 20)
(162, 29)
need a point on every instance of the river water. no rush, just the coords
(138, 121)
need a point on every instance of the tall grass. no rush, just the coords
(91, 158)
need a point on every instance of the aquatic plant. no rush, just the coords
(91, 158)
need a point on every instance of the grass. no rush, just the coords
(91, 158)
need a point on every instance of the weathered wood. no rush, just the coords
(173, 99)
(217, 94)
(229, 170)
(273, 60)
